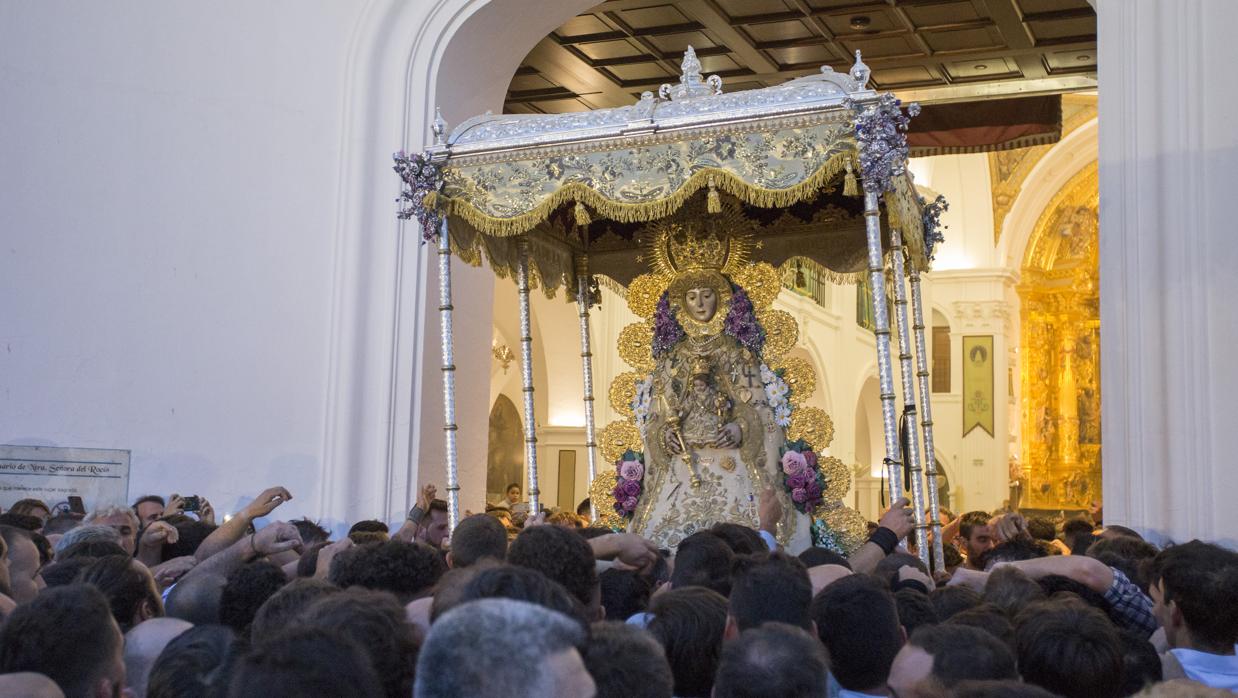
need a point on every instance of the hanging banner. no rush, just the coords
(99, 476)
(978, 383)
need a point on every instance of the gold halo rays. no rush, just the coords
(800, 377)
(622, 391)
(837, 478)
(813, 425)
(643, 294)
(781, 333)
(762, 282)
(616, 438)
(636, 346)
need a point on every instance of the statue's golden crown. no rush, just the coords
(694, 240)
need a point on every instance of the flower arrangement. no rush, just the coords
(932, 223)
(630, 483)
(667, 332)
(777, 394)
(801, 475)
(741, 321)
(420, 177)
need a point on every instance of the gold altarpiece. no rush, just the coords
(1059, 291)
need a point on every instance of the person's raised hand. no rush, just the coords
(898, 518)
(276, 538)
(908, 572)
(206, 513)
(168, 572)
(769, 510)
(634, 551)
(427, 495)
(158, 533)
(538, 519)
(176, 505)
(972, 579)
(265, 503)
(327, 553)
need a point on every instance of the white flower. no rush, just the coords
(641, 402)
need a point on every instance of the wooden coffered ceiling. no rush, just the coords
(930, 50)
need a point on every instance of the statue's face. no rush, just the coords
(701, 303)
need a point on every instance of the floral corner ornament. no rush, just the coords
(932, 223)
(630, 484)
(881, 133)
(778, 395)
(421, 177)
(801, 475)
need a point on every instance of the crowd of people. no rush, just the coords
(160, 599)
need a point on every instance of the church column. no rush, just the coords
(1168, 161)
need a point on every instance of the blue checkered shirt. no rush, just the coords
(1131, 608)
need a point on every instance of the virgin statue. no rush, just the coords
(711, 414)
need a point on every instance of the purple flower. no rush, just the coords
(793, 462)
(631, 470)
(630, 504)
(798, 495)
(741, 322)
(630, 488)
(811, 458)
(667, 332)
(799, 479)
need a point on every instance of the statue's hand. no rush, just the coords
(671, 441)
(729, 436)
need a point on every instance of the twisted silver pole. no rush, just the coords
(926, 420)
(909, 395)
(526, 374)
(881, 320)
(586, 367)
(449, 375)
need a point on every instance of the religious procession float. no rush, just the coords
(689, 200)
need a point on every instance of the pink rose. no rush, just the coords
(813, 490)
(630, 488)
(793, 462)
(799, 495)
(631, 470)
(798, 479)
(630, 504)
(810, 457)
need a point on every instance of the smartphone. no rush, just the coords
(76, 506)
(193, 503)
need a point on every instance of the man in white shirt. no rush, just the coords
(1193, 593)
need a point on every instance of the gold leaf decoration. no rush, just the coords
(799, 376)
(622, 390)
(762, 282)
(616, 438)
(837, 478)
(781, 333)
(636, 346)
(643, 294)
(602, 496)
(813, 425)
(848, 525)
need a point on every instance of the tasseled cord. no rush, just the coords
(850, 186)
(713, 203)
(582, 215)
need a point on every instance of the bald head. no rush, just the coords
(30, 685)
(142, 647)
(196, 599)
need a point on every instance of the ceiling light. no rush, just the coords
(1084, 57)
(981, 66)
(860, 22)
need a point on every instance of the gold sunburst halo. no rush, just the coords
(616, 438)
(762, 282)
(622, 391)
(781, 333)
(813, 425)
(837, 478)
(636, 346)
(799, 375)
(643, 294)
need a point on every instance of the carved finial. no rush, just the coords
(438, 127)
(690, 82)
(860, 72)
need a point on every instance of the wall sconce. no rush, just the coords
(503, 355)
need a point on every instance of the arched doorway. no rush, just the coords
(505, 449)
(1060, 299)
